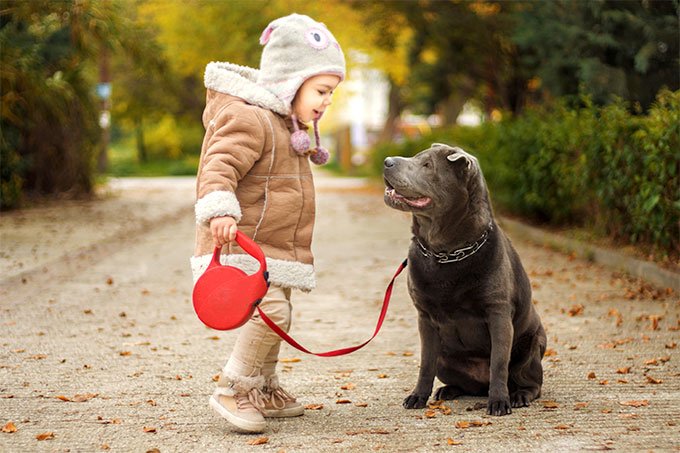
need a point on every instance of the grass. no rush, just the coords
(123, 161)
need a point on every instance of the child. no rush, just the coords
(254, 172)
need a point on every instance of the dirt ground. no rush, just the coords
(101, 350)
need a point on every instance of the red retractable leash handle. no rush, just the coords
(225, 297)
(288, 339)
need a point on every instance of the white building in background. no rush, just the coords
(366, 107)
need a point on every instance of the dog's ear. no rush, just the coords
(460, 154)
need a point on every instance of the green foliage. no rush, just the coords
(124, 162)
(49, 119)
(624, 48)
(600, 167)
(170, 139)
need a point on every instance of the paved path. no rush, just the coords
(101, 348)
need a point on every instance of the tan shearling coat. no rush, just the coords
(249, 170)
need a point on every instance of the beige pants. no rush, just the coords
(256, 351)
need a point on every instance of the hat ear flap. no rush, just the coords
(266, 34)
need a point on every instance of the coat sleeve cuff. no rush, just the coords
(217, 204)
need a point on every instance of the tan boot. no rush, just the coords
(240, 407)
(278, 402)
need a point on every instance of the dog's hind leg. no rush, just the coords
(448, 392)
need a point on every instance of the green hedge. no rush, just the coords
(600, 167)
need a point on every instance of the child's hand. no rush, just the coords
(223, 230)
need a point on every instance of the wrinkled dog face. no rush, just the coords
(432, 180)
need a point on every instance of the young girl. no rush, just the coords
(254, 175)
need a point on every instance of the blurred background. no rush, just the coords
(573, 107)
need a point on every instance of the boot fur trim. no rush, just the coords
(239, 384)
(271, 382)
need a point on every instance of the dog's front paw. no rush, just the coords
(415, 401)
(498, 406)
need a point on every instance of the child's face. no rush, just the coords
(314, 96)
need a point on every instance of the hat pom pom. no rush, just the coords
(320, 156)
(300, 141)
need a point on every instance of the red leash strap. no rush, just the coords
(343, 351)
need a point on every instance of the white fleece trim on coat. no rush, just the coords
(287, 274)
(217, 204)
(241, 81)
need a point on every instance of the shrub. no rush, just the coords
(599, 167)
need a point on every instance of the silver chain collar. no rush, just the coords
(459, 254)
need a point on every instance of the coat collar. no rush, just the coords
(240, 81)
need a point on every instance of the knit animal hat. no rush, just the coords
(296, 47)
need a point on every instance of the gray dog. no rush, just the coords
(479, 331)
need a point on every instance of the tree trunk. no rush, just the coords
(450, 108)
(141, 148)
(395, 107)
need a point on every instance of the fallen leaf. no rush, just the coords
(87, 312)
(430, 413)
(81, 398)
(38, 356)
(624, 370)
(63, 398)
(407, 354)
(592, 375)
(149, 429)
(293, 360)
(654, 321)
(576, 310)
(453, 442)
(9, 428)
(619, 319)
(45, 436)
(634, 403)
(214, 337)
(550, 405)
(604, 382)
(562, 426)
(259, 441)
(671, 345)
(652, 380)
(382, 376)
(314, 407)
(580, 405)
(343, 401)
(109, 281)
(550, 352)
(348, 386)
(125, 353)
(468, 424)
(361, 404)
